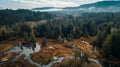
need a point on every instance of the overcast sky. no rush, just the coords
(28, 4)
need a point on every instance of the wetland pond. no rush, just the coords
(23, 49)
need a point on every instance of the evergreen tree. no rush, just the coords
(44, 42)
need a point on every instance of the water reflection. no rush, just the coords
(23, 49)
(26, 50)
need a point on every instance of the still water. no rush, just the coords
(26, 51)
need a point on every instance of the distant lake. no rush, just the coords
(48, 10)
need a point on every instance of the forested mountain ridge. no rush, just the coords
(102, 4)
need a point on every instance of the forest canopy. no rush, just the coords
(13, 25)
(9, 16)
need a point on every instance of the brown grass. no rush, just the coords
(87, 49)
(46, 54)
(4, 46)
(8, 56)
(19, 63)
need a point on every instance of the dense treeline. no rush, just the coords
(66, 27)
(103, 25)
(111, 44)
(9, 16)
